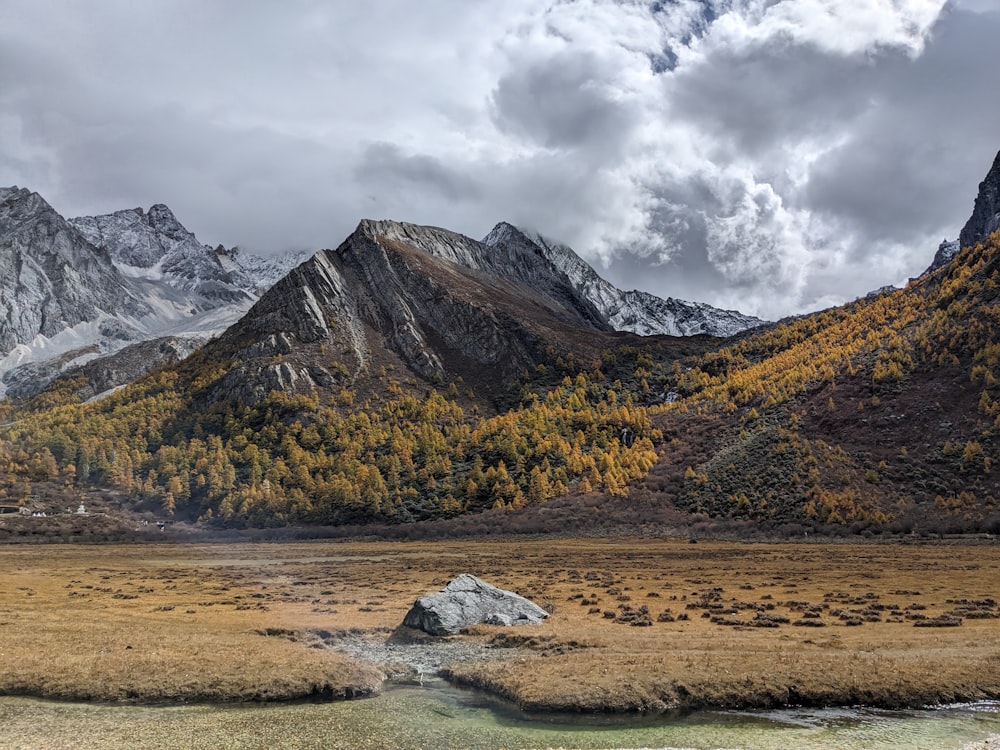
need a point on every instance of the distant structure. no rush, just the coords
(81, 511)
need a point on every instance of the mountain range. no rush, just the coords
(82, 289)
(75, 291)
(412, 373)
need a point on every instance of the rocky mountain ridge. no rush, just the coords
(985, 217)
(76, 291)
(413, 374)
(421, 300)
(53, 279)
(155, 245)
(635, 311)
(158, 281)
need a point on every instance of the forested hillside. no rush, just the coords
(413, 452)
(881, 415)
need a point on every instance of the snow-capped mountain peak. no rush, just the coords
(82, 289)
(155, 247)
(636, 311)
(134, 237)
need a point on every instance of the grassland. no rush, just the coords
(636, 625)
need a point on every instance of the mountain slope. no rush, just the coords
(884, 413)
(413, 373)
(154, 245)
(52, 278)
(985, 217)
(420, 299)
(76, 291)
(321, 405)
(635, 311)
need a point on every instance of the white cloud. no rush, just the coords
(842, 27)
(766, 156)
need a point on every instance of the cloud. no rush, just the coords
(770, 157)
(911, 162)
(384, 165)
(565, 100)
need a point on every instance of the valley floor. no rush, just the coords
(636, 625)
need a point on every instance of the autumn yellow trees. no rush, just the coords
(400, 450)
(293, 459)
(941, 329)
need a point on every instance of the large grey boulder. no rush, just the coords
(468, 600)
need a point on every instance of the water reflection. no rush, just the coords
(440, 716)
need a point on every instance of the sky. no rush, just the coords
(770, 156)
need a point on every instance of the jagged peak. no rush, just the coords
(501, 232)
(375, 227)
(157, 217)
(562, 256)
(13, 192)
(162, 219)
(946, 252)
(432, 240)
(985, 217)
(635, 311)
(419, 235)
(141, 238)
(544, 246)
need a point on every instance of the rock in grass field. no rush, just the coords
(468, 600)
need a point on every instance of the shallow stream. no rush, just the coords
(436, 715)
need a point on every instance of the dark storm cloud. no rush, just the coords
(562, 101)
(912, 163)
(758, 98)
(872, 154)
(384, 165)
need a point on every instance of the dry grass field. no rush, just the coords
(636, 625)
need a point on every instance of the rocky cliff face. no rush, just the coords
(51, 277)
(97, 376)
(518, 262)
(76, 291)
(946, 252)
(134, 237)
(153, 245)
(430, 301)
(984, 221)
(634, 311)
(985, 217)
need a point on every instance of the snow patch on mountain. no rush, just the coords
(946, 252)
(635, 311)
(257, 273)
(153, 245)
(51, 277)
(86, 288)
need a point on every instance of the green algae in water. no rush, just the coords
(442, 717)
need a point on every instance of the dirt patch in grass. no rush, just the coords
(636, 625)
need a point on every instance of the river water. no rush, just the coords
(438, 716)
